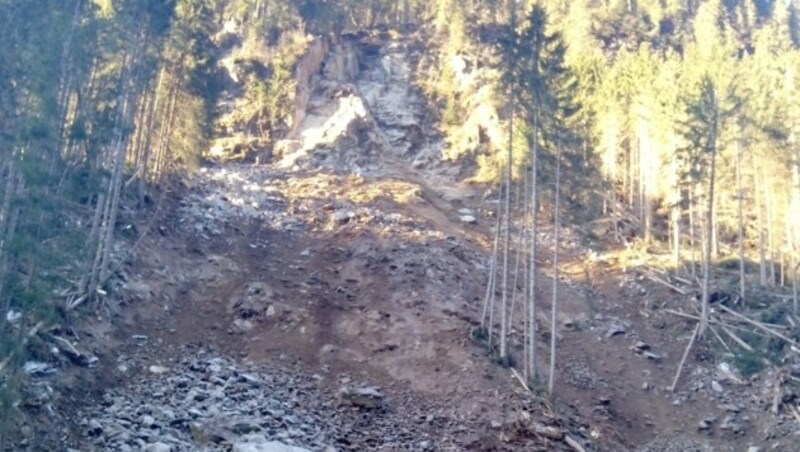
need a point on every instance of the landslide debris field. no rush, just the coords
(325, 300)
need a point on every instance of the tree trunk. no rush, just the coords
(6, 225)
(708, 239)
(92, 243)
(692, 232)
(740, 202)
(770, 233)
(794, 283)
(762, 255)
(554, 307)
(488, 303)
(148, 140)
(506, 244)
(675, 213)
(532, 372)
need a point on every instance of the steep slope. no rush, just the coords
(276, 291)
(326, 299)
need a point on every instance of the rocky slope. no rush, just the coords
(325, 301)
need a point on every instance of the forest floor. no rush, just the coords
(359, 263)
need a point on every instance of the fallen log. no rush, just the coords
(759, 325)
(664, 283)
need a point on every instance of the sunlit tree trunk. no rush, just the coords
(768, 203)
(740, 202)
(709, 237)
(762, 254)
(675, 213)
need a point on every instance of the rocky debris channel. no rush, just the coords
(210, 403)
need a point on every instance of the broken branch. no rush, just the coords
(683, 360)
(758, 325)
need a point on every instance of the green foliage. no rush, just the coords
(509, 361)
(749, 363)
(480, 334)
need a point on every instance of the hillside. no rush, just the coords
(332, 248)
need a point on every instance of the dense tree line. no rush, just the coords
(675, 121)
(101, 101)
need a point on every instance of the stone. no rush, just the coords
(148, 421)
(242, 326)
(244, 428)
(158, 447)
(251, 380)
(258, 443)
(640, 346)
(615, 330)
(37, 368)
(95, 427)
(342, 216)
(469, 219)
(716, 387)
(368, 398)
(652, 356)
(706, 423)
(156, 369)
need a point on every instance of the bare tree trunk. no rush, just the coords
(708, 239)
(6, 224)
(66, 76)
(692, 231)
(145, 165)
(526, 289)
(507, 229)
(554, 308)
(761, 241)
(166, 131)
(506, 243)
(92, 243)
(740, 202)
(94, 276)
(116, 188)
(768, 200)
(515, 282)
(532, 265)
(675, 213)
(782, 268)
(794, 282)
(488, 302)
(715, 232)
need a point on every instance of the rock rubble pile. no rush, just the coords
(212, 404)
